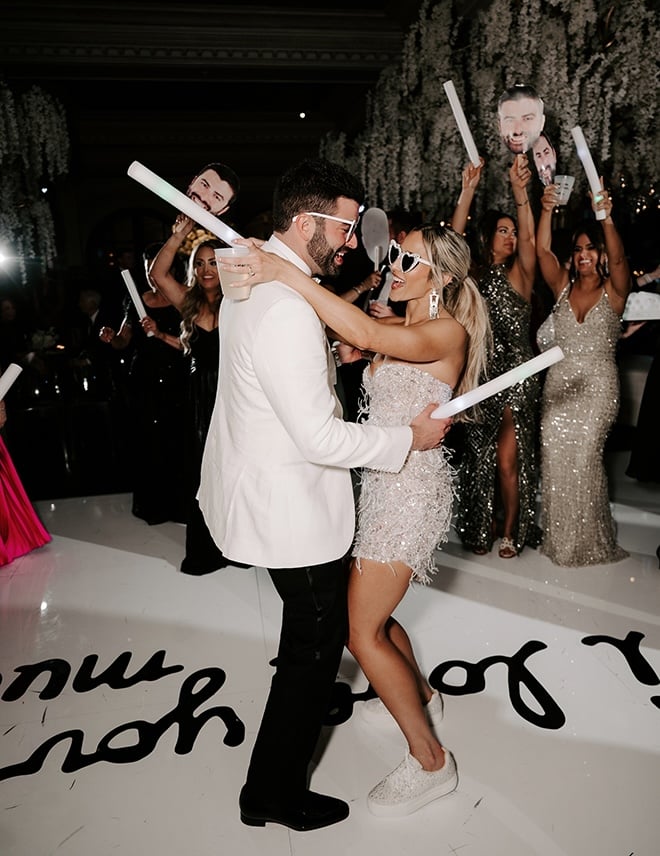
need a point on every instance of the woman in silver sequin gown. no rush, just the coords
(499, 472)
(439, 346)
(581, 392)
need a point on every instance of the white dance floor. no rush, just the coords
(131, 693)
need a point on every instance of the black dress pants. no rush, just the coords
(314, 629)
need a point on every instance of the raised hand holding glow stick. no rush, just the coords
(461, 121)
(589, 167)
(492, 387)
(135, 296)
(8, 377)
(182, 202)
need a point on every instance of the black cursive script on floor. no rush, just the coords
(202, 685)
(147, 734)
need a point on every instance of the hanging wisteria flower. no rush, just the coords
(592, 63)
(34, 149)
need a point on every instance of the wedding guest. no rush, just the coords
(14, 334)
(581, 391)
(276, 488)
(198, 303)
(498, 475)
(215, 188)
(95, 372)
(21, 531)
(644, 463)
(156, 393)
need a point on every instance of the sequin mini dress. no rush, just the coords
(580, 404)
(404, 516)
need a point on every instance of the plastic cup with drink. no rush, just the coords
(242, 289)
(564, 185)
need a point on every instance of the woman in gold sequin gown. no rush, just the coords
(499, 467)
(581, 392)
(438, 347)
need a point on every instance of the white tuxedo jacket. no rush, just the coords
(275, 485)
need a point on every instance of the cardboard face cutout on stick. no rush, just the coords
(521, 117)
(545, 159)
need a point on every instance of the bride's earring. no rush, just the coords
(434, 302)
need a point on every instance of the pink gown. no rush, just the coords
(20, 529)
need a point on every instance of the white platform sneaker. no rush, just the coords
(375, 713)
(410, 787)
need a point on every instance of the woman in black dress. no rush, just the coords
(198, 303)
(156, 395)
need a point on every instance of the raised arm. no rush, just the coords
(617, 262)
(554, 275)
(469, 180)
(119, 340)
(160, 267)
(370, 282)
(412, 343)
(149, 326)
(520, 175)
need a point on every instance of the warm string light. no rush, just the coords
(639, 202)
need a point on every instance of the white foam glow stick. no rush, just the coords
(589, 167)
(135, 297)
(497, 384)
(8, 377)
(461, 121)
(182, 202)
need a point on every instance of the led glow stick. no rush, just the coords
(8, 377)
(182, 202)
(135, 297)
(589, 167)
(497, 384)
(461, 121)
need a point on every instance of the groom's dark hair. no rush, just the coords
(312, 185)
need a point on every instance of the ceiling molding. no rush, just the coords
(191, 37)
(60, 56)
(173, 83)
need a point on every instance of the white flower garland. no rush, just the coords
(34, 148)
(592, 61)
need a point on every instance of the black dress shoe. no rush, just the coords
(199, 569)
(314, 812)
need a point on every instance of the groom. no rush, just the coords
(276, 488)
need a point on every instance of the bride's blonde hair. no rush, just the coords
(450, 254)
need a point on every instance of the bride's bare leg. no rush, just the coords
(373, 594)
(400, 639)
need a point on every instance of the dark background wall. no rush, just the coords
(175, 85)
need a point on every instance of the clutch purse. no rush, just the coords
(642, 306)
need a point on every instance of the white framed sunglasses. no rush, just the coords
(352, 224)
(407, 261)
